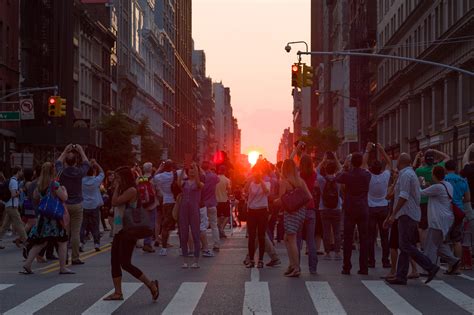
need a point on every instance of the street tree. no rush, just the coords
(151, 150)
(117, 148)
(321, 140)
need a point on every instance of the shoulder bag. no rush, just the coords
(136, 222)
(458, 213)
(293, 200)
(50, 206)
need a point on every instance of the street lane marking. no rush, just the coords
(42, 299)
(56, 263)
(186, 299)
(390, 298)
(254, 275)
(5, 286)
(92, 254)
(324, 299)
(257, 299)
(462, 275)
(454, 295)
(108, 307)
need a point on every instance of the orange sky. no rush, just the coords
(244, 42)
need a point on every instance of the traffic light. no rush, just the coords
(56, 106)
(53, 104)
(296, 80)
(62, 108)
(307, 76)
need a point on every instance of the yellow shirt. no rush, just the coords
(221, 189)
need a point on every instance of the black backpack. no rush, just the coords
(330, 193)
(5, 193)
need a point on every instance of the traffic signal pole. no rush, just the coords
(26, 90)
(361, 54)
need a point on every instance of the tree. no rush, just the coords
(322, 140)
(151, 150)
(117, 148)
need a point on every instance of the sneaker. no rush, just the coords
(77, 262)
(337, 256)
(207, 253)
(147, 248)
(163, 252)
(195, 266)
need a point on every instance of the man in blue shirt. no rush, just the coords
(356, 212)
(71, 170)
(461, 198)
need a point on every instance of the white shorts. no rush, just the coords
(204, 220)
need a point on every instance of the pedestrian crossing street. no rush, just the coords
(325, 297)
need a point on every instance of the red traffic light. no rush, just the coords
(294, 68)
(52, 100)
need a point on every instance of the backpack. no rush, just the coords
(330, 194)
(146, 192)
(5, 193)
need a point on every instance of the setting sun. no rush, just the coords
(253, 157)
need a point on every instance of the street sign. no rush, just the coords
(27, 109)
(9, 116)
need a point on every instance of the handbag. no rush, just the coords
(293, 200)
(176, 206)
(458, 212)
(136, 222)
(50, 206)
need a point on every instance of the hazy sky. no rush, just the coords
(244, 42)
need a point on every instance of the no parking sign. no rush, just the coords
(27, 109)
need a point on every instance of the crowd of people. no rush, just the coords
(419, 209)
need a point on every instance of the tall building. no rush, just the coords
(206, 143)
(9, 71)
(224, 121)
(344, 83)
(147, 67)
(286, 145)
(237, 140)
(186, 113)
(165, 20)
(421, 106)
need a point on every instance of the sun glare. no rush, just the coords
(253, 157)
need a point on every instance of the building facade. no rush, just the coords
(286, 145)
(186, 111)
(9, 72)
(422, 106)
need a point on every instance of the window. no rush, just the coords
(1, 41)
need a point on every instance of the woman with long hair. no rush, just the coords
(189, 215)
(125, 195)
(107, 210)
(308, 174)
(47, 229)
(293, 222)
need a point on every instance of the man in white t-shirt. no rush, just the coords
(223, 190)
(378, 204)
(12, 213)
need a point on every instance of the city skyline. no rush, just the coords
(262, 54)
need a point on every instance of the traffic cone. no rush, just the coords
(466, 259)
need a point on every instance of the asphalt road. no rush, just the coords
(222, 286)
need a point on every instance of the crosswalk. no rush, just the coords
(325, 297)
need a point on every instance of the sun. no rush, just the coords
(253, 157)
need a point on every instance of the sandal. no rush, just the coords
(250, 264)
(289, 270)
(260, 264)
(26, 271)
(295, 274)
(114, 297)
(155, 294)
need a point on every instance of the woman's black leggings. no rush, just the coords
(257, 221)
(121, 258)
